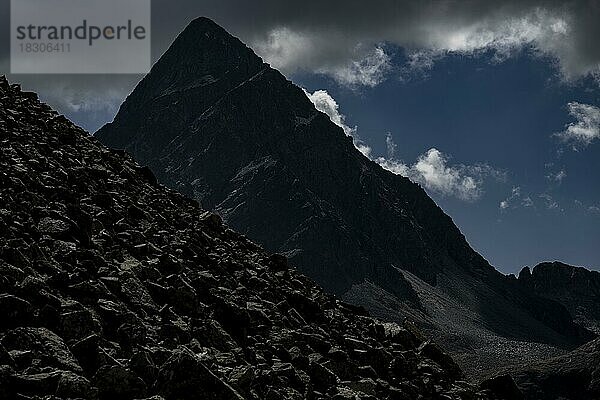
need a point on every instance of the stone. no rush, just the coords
(14, 311)
(183, 375)
(76, 325)
(504, 387)
(118, 382)
(44, 345)
(71, 385)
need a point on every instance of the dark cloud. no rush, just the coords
(343, 38)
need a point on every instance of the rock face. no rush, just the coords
(113, 287)
(577, 288)
(216, 123)
(574, 376)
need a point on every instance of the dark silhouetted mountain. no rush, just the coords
(216, 123)
(577, 288)
(115, 287)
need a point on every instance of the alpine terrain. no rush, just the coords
(114, 287)
(215, 122)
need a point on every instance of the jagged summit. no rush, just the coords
(577, 288)
(248, 144)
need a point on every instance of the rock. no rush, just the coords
(76, 325)
(320, 375)
(86, 352)
(7, 390)
(118, 382)
(141, 363)
(71, 385)
(504, 387)
(434, 353)
(214, 335)
(366, 386)
(54, 227)
(5, 357)
(576, 288)
(46, 382)
(45, 345)
(14, 311)
(242, 377)
(183, 375)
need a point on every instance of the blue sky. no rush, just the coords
(492, 106)
(504, 114)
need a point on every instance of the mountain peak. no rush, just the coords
(202, 35)
(202, 64)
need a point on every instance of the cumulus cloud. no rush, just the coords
(289, 51)
(433, 170)
(585, 129)
(327, 104)
(591, 209)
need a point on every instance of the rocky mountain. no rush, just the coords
(573, 376)
(215, 122)
(577, 288)
(115, 287)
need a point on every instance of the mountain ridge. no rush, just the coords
(577, 288)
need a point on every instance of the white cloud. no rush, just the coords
(288, 50)
(527, 202)
(395, 166)
(557, 176)
(369, 71)
(586, 129)
(433, 171)
(363, 148)
(549, 201)
(327, 104)
(514, 200)
(283, 47)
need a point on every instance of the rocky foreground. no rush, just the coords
(112, 286)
